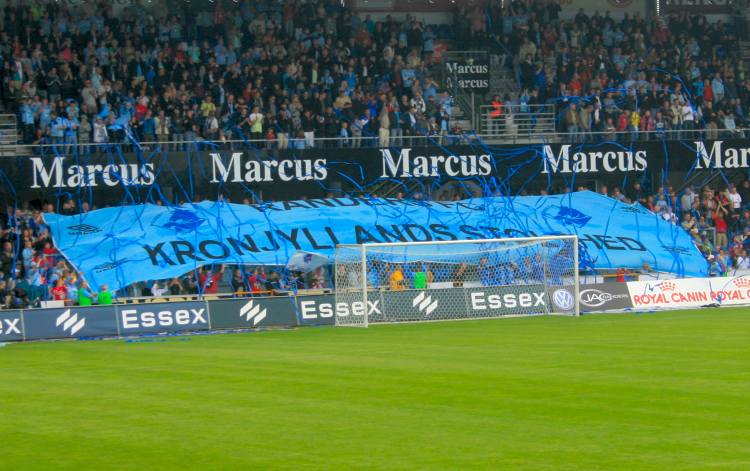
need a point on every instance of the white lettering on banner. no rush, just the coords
(407, 166)
(314, 310)
(456, 68)
(690, 292)
(481, 301)
(83, 176)
(255, 171)
(10, 326)
(133, 319)
(592, 162)
(720, 157)
(474, 83)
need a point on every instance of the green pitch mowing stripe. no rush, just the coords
(667, 391)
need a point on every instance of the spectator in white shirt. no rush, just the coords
(730, 125)
(100, 131)
(735, 198)
(157, 290)
(743, 263)
(688, 119)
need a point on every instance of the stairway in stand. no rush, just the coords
(8, 135)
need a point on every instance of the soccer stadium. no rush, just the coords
(375, 234)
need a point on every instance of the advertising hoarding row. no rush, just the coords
(382, 306)
(259, 312)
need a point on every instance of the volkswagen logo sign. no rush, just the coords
(563, 299)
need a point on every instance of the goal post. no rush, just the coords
(462, 279)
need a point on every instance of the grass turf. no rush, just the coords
(657, 391)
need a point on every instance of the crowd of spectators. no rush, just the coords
(287, 72)
(628, 78)
(31, 269)
(718, 219)
(292, 72)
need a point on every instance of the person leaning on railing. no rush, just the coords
(496, 115)
(104, 297)
(85, 295)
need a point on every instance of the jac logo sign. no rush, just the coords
(139, 319)
(311, 310)
(596, 298)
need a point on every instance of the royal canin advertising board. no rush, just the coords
(690, 292)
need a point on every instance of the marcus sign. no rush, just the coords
(240, 169)
(408, 163)
(60, 174)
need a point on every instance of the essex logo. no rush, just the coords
(253, 312)
(69, 322)
(424, 303)
(10, 326)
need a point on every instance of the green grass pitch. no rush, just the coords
(667, 391)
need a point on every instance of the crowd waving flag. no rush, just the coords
(123, 245)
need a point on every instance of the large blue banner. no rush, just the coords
(122, 245)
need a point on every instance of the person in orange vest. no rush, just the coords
(621, 272)
(496, 114)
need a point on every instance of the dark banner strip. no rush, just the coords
(107, 177)
(252, 313)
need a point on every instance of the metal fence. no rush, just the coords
(48, 147)
(522, 128)
(517, 121)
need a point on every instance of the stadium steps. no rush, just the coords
(460, 119)
(502, 82)
(698, 180)
(8, 135)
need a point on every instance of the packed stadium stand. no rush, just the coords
(297, 75)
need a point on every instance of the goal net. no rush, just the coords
(422, 281)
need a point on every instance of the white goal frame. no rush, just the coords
(362, 310)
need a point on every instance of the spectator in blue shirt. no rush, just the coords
(27, 119)
(57, 128)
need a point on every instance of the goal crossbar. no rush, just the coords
(413, 281)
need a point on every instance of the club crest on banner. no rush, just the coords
(183, 220)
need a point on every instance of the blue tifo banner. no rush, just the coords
(122, 245)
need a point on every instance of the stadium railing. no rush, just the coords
(526, 133)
